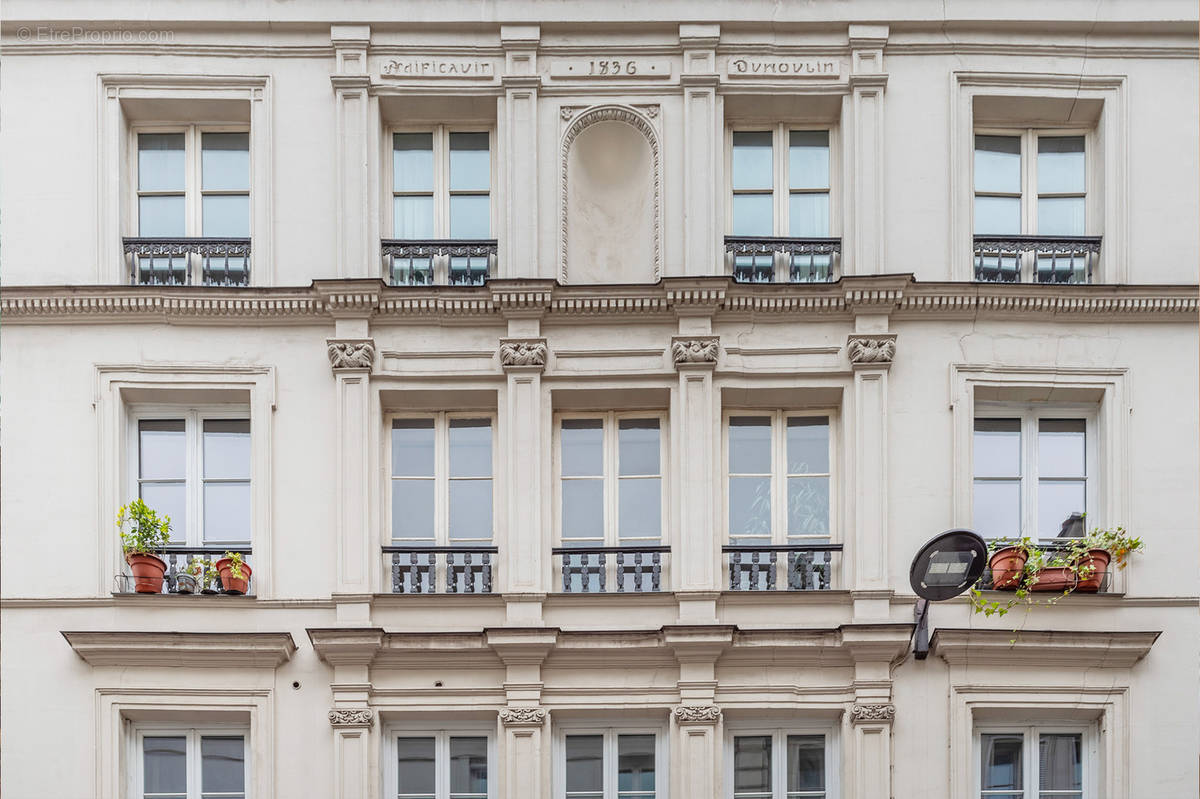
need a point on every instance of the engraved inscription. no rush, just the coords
(610, 68)
(748, 67)
(436, 68)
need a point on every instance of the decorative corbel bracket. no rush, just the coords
(873, 714)
(528, 354)
(352, 717)
(697, 714)
(871, 351)
(691, 351)
(523, 716)
(358, 354)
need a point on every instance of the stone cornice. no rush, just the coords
(213, 650)
(1078, 649)
(346, 646)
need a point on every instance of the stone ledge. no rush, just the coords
(1059, 648)
(213, 650)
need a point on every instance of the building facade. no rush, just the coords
(578, 382)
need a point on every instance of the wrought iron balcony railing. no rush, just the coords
(753, 568)
(440, 570)
(428, 262)
(586, 570)
(806, 260)
(1036, 259)
(177, 559)
(172, 261)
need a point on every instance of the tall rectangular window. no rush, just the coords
(191, 764)
(610, 764)
(1033, 764)
(780, 765)
(442, 766)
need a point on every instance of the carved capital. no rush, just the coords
(697, 714)
(523, 716)
(693, 350)
(352, 717)
(875, 351)
(524, 353)
(351, 353)
(873, 714)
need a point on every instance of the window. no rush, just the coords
(442, 765)
(610, 764)
(193, 182)
(441, 189)
(1033, 763)
(1031, 183)
(191, 764)
(780, 188)
(1031, 472)
(195, 468)
(781, 764)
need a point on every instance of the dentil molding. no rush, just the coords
(352, 717)
(697, 714)
(352, 354)
(695, 349)
(873, 714)
(872, 351)
(523, 716)
(523, 353)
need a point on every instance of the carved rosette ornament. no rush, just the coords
(873, 714)
(691, 351)
(697, 714)
(352, 354)
(523, 353)
(872, 351)
(523, 716)
(352, 717)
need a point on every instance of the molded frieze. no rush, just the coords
(352, 354)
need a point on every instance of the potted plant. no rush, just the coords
(1007, 563)
(235, 574)
(198, 575)
(1097, 550)
(146, 534)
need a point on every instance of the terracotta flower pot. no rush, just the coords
(231, 584)
(147, 571)
(1006, 565)
(1096, 562)
(1054, 578)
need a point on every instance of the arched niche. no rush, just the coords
(610, 198)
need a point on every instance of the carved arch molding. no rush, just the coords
(640, 122)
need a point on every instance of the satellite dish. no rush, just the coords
(948, 565)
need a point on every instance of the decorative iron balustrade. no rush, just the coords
(1049, 545)
(635, 569)
(1042, 259)
(440, 570)
(453, 262)
(808, 260)
(753, 568)
(169, 261)
(177, 559)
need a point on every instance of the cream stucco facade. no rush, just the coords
(609, 130)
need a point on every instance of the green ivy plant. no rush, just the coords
(235, 564)
(146, 533)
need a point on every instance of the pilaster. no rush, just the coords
(356, 737)
(696, 733)
(353, 159)
(703, 166)
(694, 566)
(524, 723)
(519, 143)
(864, 200)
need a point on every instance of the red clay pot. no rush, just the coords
(231, 584)
(1054, 578)
(1007, 565)
(147, 571)
(1098, 560)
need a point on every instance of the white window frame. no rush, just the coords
(1029, 194)
(1029, 756)
(193, 734)
(194, 417)
(441, 174)
(779, 474)
(1030, 414)
(609, 765)
(610, 421)
(779, 736)
(441, 736)
(441, 475)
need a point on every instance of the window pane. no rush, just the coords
(227, 512)
(997, 447)
(1060, 216)
(808, 505)
(227, 448)
(1061, 445)
(1001, 761)
(412, 447)
(808, 153)
(470, 509)
(225, 161)
(470, 163)
(162, 449)
(749, 506)
(412, 217)
(412, 509)
(412, 162)
(753, 215)
(468, 765)
(808, 445)
(635, 763)
(638, 444)
(808, 215)
(582, 447)
(639, 512)
(222, 764)
(753, 163)
(170, 500)
(998, 164)
(1056, 502)
(997, 215)
(806, 762)
(583, 509)
(226, 215)
(415, 766)
(750, 445)
(162, 216)
(751, 764)
(1060, 762)
(470, 447)
(470, 217)
(164, 763)
(1060, 166)
(161, 165)
(998, 508)
(584, 763)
